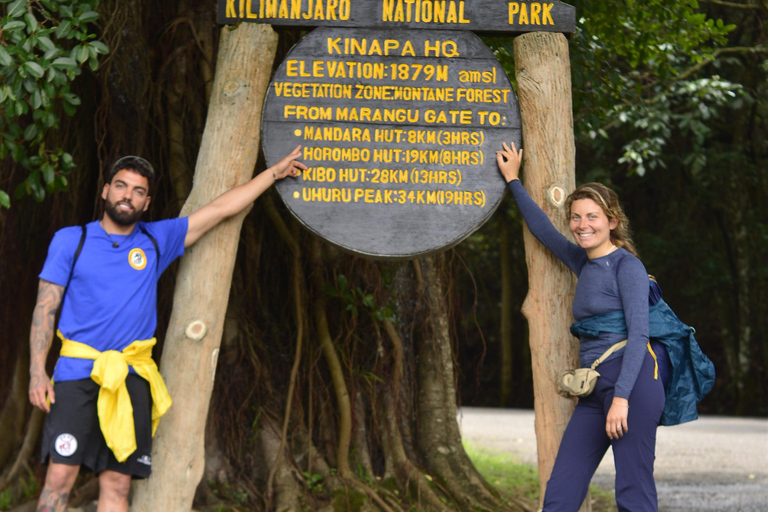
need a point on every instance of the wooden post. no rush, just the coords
(227, 158)
(543, 74)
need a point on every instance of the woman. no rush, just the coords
(625, 408)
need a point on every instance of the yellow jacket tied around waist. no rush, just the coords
(110, 368)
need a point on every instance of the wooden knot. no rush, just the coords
(196, 330)
(556, 195)
(233, 87)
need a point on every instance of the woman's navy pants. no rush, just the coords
(585, 442)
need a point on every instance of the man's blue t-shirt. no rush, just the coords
(112, 297)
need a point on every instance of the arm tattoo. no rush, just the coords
(52, 501)
(49, 298)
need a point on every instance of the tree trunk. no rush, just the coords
(438, 435)
(544, 89)
(227, 157)
(505, 343)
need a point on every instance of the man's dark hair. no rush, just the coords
(135, 164)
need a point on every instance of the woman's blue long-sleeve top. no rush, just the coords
(615, 282)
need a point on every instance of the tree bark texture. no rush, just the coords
(227, 157)
(544, 91)
(507, 353)
(439, 436)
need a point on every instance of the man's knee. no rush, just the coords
(114, 485)
(61, 477)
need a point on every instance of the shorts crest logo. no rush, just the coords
(65, 445)
(137, 259)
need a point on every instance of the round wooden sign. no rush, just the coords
(399, 129)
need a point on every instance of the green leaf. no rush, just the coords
(82, 54)
(21, 190)
(17, 8)
(30, 132)
(64, 30)
(48, 173)
(37, 99)
(46, 43)
(66, 10)
(34, 69)
(60, 183)
(30, 85)
(65, 63)
(31, 21)
(52, 53)
(5, 201)
(13, 25)
(5, 57)
(71, 98)
(99, 47)
(89, 16)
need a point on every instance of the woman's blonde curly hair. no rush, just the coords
(609, 202)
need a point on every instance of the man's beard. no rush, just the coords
(122, 217)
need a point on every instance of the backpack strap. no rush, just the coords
(76, 256)
(74, 260)
(154, 242)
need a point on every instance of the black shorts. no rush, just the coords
(72, 435)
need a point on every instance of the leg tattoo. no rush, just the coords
(52, 501)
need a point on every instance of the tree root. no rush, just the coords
(439, 435)
(11, 429)
(298, 278)
(34, 427)
(286, 487)
(334, 366)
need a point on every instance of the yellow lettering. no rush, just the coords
(462, 19)
(283, 11)
(546, 17)
(514, 8)
(249, 11)
(331, 10)
(535, 10)
(231, 12)
(271, 8)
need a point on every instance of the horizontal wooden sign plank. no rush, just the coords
(475, 15)
(399, 129)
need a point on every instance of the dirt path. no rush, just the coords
(714, 464)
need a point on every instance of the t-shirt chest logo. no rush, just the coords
(137, 259)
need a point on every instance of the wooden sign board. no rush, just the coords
(399, 129)
(474, 15)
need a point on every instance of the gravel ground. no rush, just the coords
(714, 464)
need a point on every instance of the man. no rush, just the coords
(100, 414)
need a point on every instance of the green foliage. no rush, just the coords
(356, 299)
(21, 491)
(514, 479)
(631, 77)
(44, 45)
(228, 493)
(632, 72)
(314, 482)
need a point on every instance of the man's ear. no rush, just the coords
(146, 203)
(104, 191)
